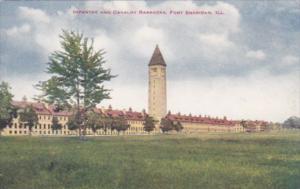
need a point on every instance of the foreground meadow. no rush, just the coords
(262, 160)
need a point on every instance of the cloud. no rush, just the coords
(15, 31)
(35, 15)
(147, 35)
(258, 55)
(260, 96)
(216, 41)
(289, 60)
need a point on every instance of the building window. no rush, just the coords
(15, 125)
(10, 132)
(44, 126)
(15, 132)
(48, 126)
(25, 132)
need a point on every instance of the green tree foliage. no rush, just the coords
(169, 125)
(292, 123)
(107, 123)
(149, 124)
(166, 125)
(7, 111)
(29, 117)
(94, 121)
(77, 77)
(243, 124)
(72, 124)
(177, 126)
(119, 124)
(55, 124)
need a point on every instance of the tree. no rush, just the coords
(77, 77)
(7, 111)
(72, 124)
(166, 125)
(94, 121)
(149, 124)
(244, 124)
(177, 126)
(55, 124)
(119, 124)
(29, 117)
(292, 123)
(169, 125)
(107, 123)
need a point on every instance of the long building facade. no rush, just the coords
(157, 108)
(191, 123)
(47, 112)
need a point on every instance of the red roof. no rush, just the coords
(199, 119)
(39, 107)
(54, 112)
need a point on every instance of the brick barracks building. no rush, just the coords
(157, 108)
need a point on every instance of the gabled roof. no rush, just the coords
(39, 107)
(157, 58)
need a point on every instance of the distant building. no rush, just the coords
(46, 114)
(255, 126)
(196, 124)
(157, 108)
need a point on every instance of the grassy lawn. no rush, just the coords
(262, 160)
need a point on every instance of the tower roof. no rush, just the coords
(157, 58)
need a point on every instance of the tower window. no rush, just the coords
(154, 69)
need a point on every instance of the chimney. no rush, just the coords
(143, 112)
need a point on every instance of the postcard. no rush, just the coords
(149, 94)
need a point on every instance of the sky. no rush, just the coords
(243, 64)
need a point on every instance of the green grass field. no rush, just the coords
(262, 160)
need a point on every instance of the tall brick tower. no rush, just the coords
(157, 94)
